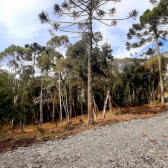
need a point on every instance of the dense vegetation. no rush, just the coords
(41, 85)
(123, 82)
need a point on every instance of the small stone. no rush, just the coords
(29, 165)
(33, 165)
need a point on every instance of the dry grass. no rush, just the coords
(78, 125)
(9, 140)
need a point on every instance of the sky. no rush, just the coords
(20, 25)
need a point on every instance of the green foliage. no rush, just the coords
(58, 41)
(10, 111)
(148, 30)
(78, 50)
(156, 102)
(41, 130)
(150, 15)
(16, 49)
(45, 59)
(6, 108)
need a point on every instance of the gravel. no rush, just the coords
(134, 144)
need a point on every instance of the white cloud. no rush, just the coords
(19, 21)
(20, 25)
(122, 52)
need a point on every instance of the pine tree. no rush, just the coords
(151, 29)
(91, 11)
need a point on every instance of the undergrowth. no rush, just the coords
(156, 102)
(41, 130)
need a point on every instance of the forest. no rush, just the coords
(42, 85)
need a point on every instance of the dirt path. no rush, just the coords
(136, 143)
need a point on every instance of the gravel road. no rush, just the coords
(139, 143)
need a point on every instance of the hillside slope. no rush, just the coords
(135, 143)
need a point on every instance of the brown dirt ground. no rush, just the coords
(31, 135)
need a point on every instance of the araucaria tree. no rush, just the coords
(151, 29)
(90, 11)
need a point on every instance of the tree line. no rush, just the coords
(42, 85)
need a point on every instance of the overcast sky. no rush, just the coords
(19, 23)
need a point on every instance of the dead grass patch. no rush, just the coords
(78, 125)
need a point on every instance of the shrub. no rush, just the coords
(41, 130)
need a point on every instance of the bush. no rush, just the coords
(156, 102)
(6, 108)
(41, 130)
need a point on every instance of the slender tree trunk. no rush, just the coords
(149, 94)
(70, 102)
(21, 126)
(133, 96)
(77, 102)
(41, 102)
(74, 107)
(95, 108)
(105, 104)
(65, 105)
(160, 72)
(22, 121)
(33, 65)
(90, 91)
(34, 117)
(129, 102)
(12, 125)
(15, 96)
(81, 103)
(110, 102)
(53, 113)
(82, 110)
(67, 108)
(60, 96)
(153, 94)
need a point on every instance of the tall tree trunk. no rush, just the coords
(22, 120)
(65, 105)
(90, 91)
(95, 108)
(66, 94)
(82, 99)
(160, 72)
(33, 65)
(67, 108)
(53, 113)
(15, 96)
(110, 102)
(129, 102)
(82, 110)
(133, 96)
(70, 102)
(60, 96)
(153, 93)
(77, 102)
(12, 125)
(41, 102)
(105, 104)
(149, 94)
(21, 126)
